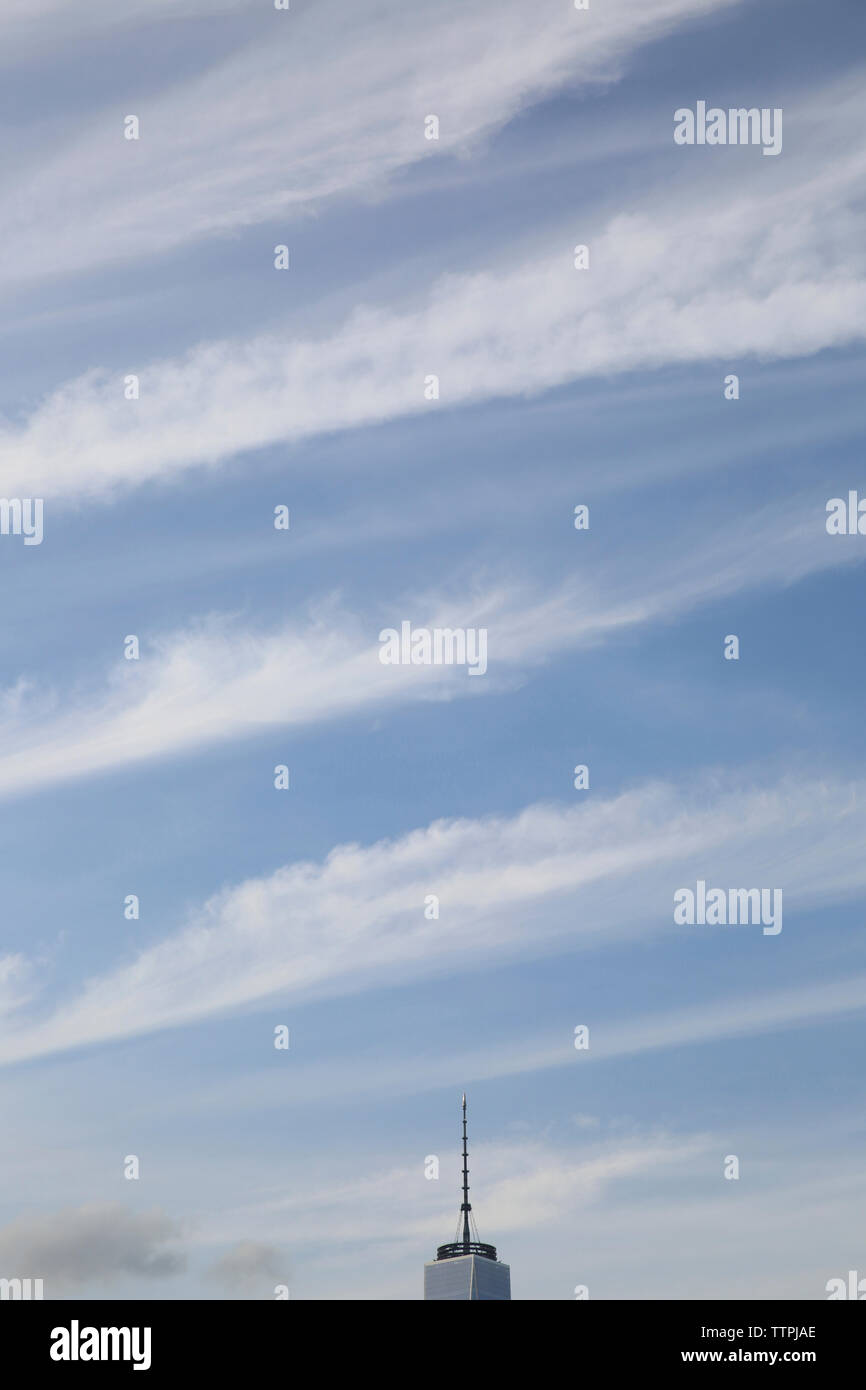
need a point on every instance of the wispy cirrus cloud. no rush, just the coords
(219, 679)
(39, 22)
(527, 1184)
(250, 139)
(736, 1016)
(356, 920)
(651, 297)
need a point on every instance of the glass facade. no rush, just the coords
(467, 1276)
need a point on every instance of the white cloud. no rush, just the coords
(527, 1184)
(652, 297)
(327, 99)
(356, 920)
(218, 681)
(737, 1016)
(44, 20)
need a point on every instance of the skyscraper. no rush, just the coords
(466, 1268)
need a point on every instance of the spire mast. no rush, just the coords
(464, 1244)
(466, 1207)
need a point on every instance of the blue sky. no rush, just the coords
(260, 647)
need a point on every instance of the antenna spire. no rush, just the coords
(466, 1207)
(464, 1244)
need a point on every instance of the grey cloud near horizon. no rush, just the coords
(246, 1266)
(94, 1243)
